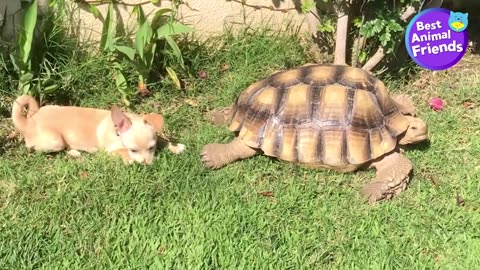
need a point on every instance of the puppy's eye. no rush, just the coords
(151, 148)
(133, 150)
(414, 128)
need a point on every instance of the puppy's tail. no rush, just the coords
(19, 119)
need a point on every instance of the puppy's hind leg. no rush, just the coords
(48, 141)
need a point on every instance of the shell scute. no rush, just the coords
(332, 109)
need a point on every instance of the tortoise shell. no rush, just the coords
(319, 114)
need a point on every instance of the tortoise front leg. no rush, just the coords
(405, 104)
(216, 155)
(393, 175)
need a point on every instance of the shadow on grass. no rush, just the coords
(423, 146)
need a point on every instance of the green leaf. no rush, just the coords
(27, 29)
(362, 57)
(26, 77)
(173, 75)
(143, 38)
(150, 56)
(307, 5)
(50, 89)
(385, 38)
(135, 10)
(144, 33)
(173, 29)
(140, 15)
(155, 1)
(175, 48)
(357, 22)
(326, 27)
(109, 30)
(377, 28)
(94, 10)
(159, 18)
(25, 87)
(17, 65)
(122, 87)
(127, 51)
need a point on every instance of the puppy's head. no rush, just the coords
(138, 133)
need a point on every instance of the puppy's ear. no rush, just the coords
(121, 122)
(155, 120)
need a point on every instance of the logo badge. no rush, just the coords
(437, 39)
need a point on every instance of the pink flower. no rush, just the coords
(437, 103)
(202, 74)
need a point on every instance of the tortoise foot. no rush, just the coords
(393, 176)
(383, 190)
(216, 155)
(212, 156)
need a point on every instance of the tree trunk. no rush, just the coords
(313, 20)
(358, 45)
(341, 33)
(376, 58)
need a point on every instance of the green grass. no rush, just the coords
(95, 213)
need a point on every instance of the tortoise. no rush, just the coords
(324, 116)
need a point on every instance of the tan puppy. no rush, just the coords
(54, 128)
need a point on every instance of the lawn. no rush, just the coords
(58, 212)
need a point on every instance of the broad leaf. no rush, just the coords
(127, 51)
(94, 10)
(109, 30)
(175, 48)
(174, 28)
(174, 77)
(26, 77)
(150, 56)
(159, 18)
(25, 39)
(50, 89)
(143, 38)
(140, 14)
(122, 87)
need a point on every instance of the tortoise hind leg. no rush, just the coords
(217, 155)
(392, 178)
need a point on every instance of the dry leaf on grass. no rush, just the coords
(460, 200)
(468, 105)
(191, 102)
(224, 67)
(266, 193)
(12, 135)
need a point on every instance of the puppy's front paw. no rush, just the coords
(123, 154)
(177, 148)
(74, 153)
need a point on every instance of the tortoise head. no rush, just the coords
(417, 131)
